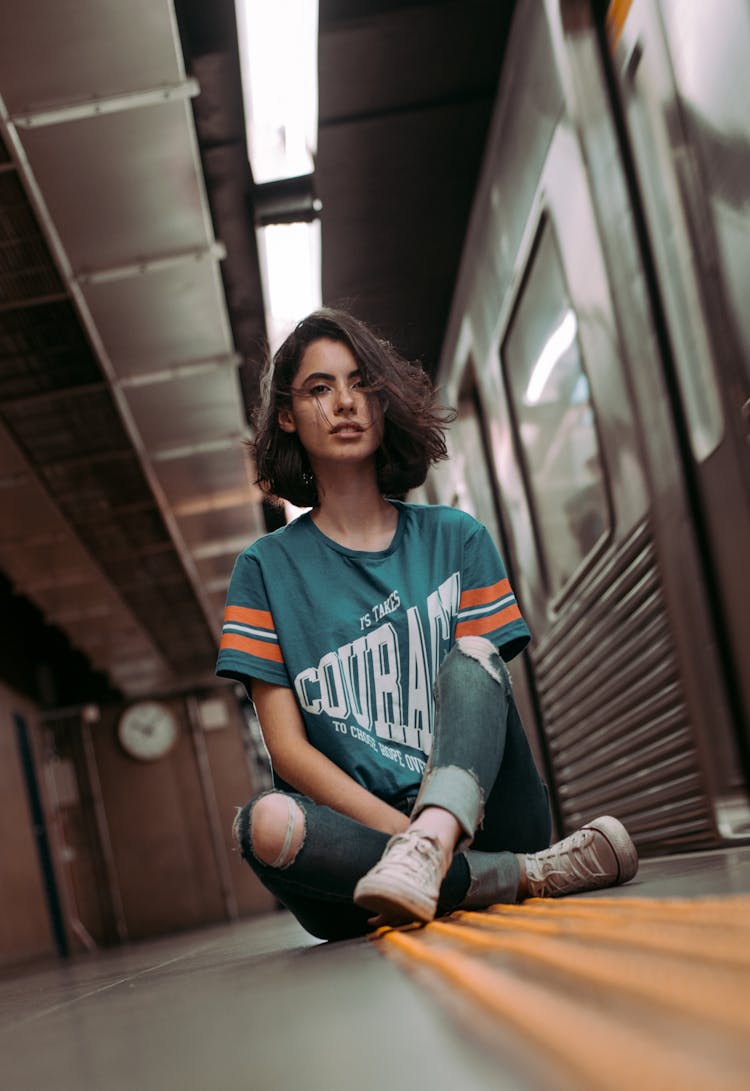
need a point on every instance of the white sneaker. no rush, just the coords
(405, 883)
(598, 855)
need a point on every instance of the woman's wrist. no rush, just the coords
(399, 822)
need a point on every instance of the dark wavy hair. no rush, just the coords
(414, 426)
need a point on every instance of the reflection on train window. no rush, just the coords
(554, 418)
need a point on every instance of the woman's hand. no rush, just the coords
(308, 771)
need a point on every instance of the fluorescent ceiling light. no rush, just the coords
(278, 41)
(290, 271)
(279, 59)
(555, 347)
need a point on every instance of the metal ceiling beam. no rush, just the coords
(181, 371)
(14, 145)
(112, 104)
(215, 251)
(198, 505)
(209, 446)
(226, 546)
(34, 301)
(29, 400)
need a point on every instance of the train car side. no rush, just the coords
(574, 443)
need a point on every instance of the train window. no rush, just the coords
(470, 456)
(554, 418)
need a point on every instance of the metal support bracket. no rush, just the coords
(215, 251)
(112, 104)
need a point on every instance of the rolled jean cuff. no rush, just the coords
(493, 877)
(456, 790)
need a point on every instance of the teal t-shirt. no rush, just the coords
(359, 636)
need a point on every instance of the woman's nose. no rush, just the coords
(344, 397)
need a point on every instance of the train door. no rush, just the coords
(624, 730)
(682, 69)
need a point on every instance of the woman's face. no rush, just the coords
(335, 420)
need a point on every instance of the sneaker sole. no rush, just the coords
(393, 902)
(620, 842)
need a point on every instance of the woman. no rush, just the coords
(372, 636)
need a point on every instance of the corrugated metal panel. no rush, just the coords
(615, 717)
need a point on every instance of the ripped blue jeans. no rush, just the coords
(481, 769)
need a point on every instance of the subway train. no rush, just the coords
(598, 351)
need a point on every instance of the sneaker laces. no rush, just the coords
(419, 854)
(573, 860)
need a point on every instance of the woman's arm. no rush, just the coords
(310, 772)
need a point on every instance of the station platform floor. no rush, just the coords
(638, 988)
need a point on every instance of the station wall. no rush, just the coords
(135, 849)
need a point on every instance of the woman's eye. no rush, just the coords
(318, 389)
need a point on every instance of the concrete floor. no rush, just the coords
(261, 1005)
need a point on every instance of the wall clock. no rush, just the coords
(147, 730)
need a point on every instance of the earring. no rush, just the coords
(308, 478)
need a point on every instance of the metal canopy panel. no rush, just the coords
(74, 50)
(189, 410)
(232, 525)
(109, 235)
(163, 318)
(121, 187)
(215, 568)
(213, 475)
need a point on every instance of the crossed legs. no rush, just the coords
(481, 771)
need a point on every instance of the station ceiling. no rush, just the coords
(131, 316)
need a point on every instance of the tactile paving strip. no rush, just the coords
(627, 994)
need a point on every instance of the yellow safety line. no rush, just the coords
(626, 992)
(705, 993)
(734, 910)
(691, 940)
(607, 1055)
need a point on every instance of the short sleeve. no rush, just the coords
(249, 642)
(488, 605)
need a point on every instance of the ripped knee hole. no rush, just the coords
(276, 830)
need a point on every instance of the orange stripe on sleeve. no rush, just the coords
(481, 595)
(261, 618)
(480, 625)
(246, 644)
